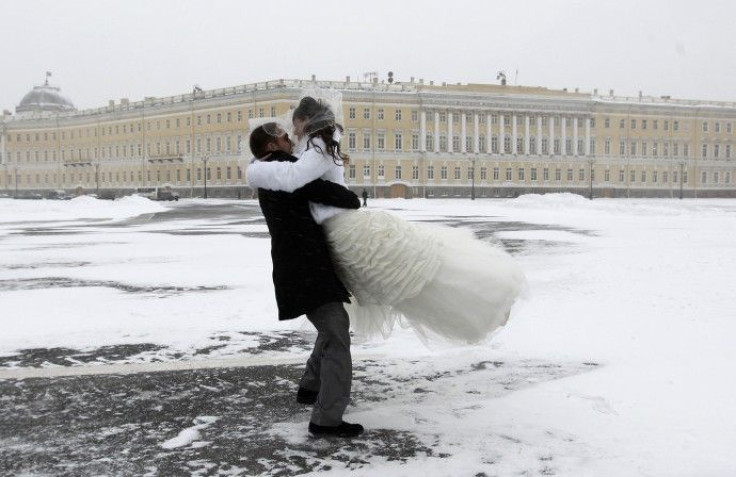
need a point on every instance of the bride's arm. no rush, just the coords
(288, 176)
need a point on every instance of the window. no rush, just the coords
(229, 118)
(381, 171)
(569, 174)
(703, 177)
(621, 124)
(532, 145)
(414, 116)
(415, 142)
(430, 142)
(643, 123)
(621, 176)
(716, 150)
(676, 125)
(443, 173)
(558, 174)
(509, 171)
(398, 115)
(705, 126)
(494, 144)
(471, 173)
(443, 117)
(607, 175)
(457, 172)
(352, 141)
(219, 120)
(718, 127)
(380, 113)
(455, 143)
(545, 145)
(430, 172)
(415, 172)
(381, 141)
(351, 171)
(581, 174)
(534, 173)
(729, 128)
(632, 176)
(366, 171)
(397, 172)
(366, 113)
(633, 124)
(633, 148)
(398, 142)
(351, 113)
(366, 141)
(644, 148)
(228, 173)
(705, 150)
(273, 111)
(655, 124)
(666, 125)
(483, 173)
(607, 147)
(496, 174)
(443, 143)
(655, 149)
(545, 174)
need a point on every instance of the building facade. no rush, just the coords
(407, 139)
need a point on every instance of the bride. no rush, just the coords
(443, 281)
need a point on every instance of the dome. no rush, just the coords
(44, 98)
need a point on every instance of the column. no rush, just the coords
(476, 132)
(489, 132)
(586, 145)
(526, 135)
(563, 135)
(501, 133)
(551, 139)
(539, 135)
(513, 135)
(436, 131)
(423, 132)
(449, 131)
(575, 135)
(463, 132)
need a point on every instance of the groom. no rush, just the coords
(305, 283)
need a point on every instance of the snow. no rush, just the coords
(642, 288)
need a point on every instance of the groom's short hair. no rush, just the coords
(260, 139)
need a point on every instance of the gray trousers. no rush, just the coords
(330, 368)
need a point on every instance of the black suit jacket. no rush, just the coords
(304, 276)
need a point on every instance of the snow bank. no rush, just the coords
(82, 207)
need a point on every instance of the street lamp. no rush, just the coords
(682, 166)
(205, 159)
(472, 178)
(590, 163)
(97, 178)
(16, 183)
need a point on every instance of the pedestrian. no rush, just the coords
(305, 282)
(365, 198)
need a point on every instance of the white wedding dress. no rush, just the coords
(441, 281)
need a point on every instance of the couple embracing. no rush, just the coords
(441, 281)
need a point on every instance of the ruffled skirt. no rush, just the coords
(441, 281)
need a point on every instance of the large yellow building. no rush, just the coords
(405, 139)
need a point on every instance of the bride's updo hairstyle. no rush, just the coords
(320, 123)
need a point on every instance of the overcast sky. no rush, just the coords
(108, 49)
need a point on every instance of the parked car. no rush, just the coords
(157, 193)
(58, 194)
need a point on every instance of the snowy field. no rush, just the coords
(619, 361)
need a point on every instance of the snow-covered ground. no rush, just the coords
(624, 340)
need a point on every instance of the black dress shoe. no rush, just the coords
(345, 429)
(305, 396)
